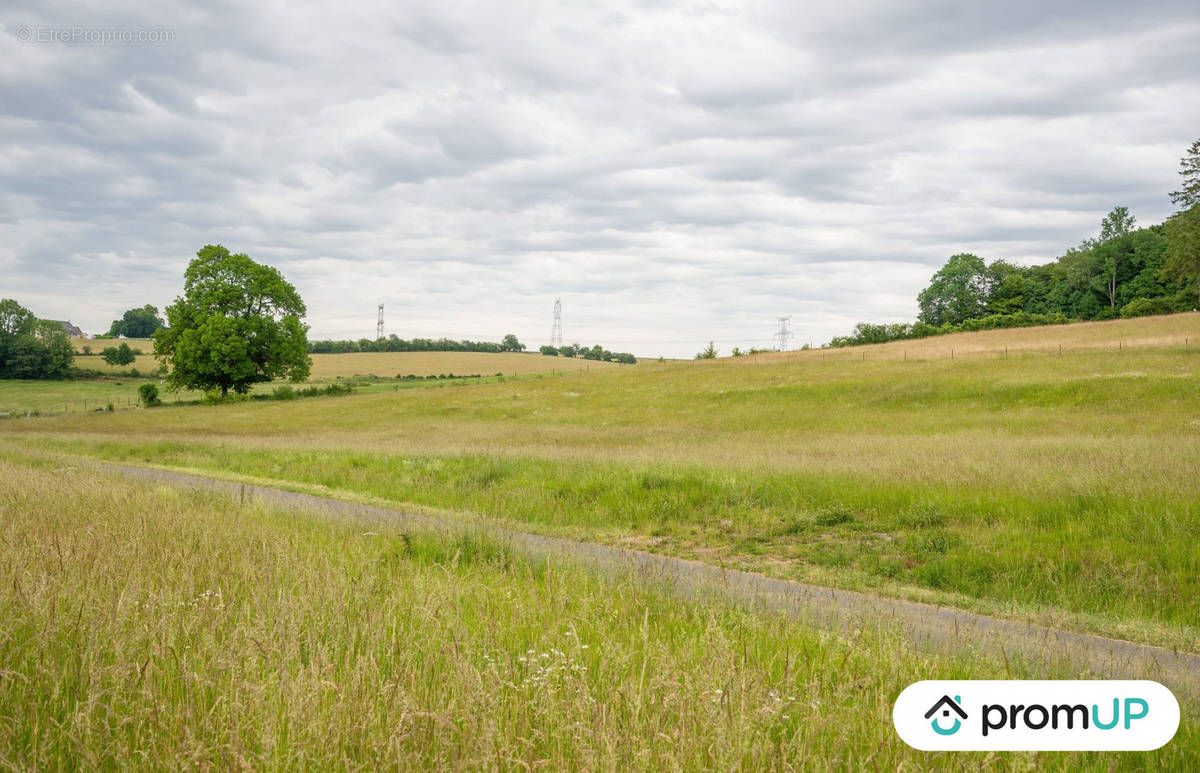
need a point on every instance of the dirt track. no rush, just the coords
(935, 629)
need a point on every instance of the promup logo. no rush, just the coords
(948, 705)
(1036, 715)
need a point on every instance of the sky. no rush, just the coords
(675, 172)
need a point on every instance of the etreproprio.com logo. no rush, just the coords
(1036, 715)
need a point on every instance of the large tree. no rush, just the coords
(1108, 254)
(137, 323)
(237, 323)
(1183, 228)
(957, 292)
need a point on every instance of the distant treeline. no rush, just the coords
(394, 344)
(597, 352)
(1121, 274)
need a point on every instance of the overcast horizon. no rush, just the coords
(674, 172)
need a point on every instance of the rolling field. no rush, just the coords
(1059, 489)
(1174, 330)
(252, 637)
(17, 397)
(391, 364)
(381, 364)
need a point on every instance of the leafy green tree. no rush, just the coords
(1182, 260)
(1108, 254)
(118, 355)
(1189, 195)
(957, 292)
(707, 353)
(511, 344)
(137, 323)
(549, 351)
(1009, 288)
(237, 324)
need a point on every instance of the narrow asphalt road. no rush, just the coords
(932, 628)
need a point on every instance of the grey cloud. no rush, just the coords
(676, 172)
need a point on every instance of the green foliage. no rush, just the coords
(1095, 280)
(957, 292)
(118, 355)
(510, 344)
(708, 353)
(834, 515)
(137, 323)
(31, 348)
(237, 324)
(1145, 307)
(1182, 260)
(1188, 196)
(549, 351)
(148, 394)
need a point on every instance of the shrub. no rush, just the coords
(149, 394)
(284, 392)
(1145, 307)
(118, 355)
(834, 515)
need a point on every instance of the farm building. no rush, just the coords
(72, 330)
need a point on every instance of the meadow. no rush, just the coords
(370, 371)
(387, 364)
(379, 364)
(251, 637)
(1054, 488)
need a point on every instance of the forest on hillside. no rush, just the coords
(1123, 271)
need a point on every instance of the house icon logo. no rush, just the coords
(945, 706)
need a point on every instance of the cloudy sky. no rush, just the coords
(675, 172)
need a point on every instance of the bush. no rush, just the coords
(118, 355)
(1146, 307)
(284, 392)
(149, 394)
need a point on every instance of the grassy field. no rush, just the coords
(381, 364)
(390, 364)
(20, 397)
(1055, 488)
(17, 397)
(1174, 330)
(249, 637)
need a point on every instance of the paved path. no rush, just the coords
(936, 629)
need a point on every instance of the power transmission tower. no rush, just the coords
(784, 334)
(556, 331)
(379, 324)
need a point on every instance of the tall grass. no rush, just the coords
(158, 628)
(1062, 487)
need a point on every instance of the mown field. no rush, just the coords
(153, 627)
(1060, 489)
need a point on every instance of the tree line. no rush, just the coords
(1121, 272)
(31, 347)
(597, 353)
(392, 343)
